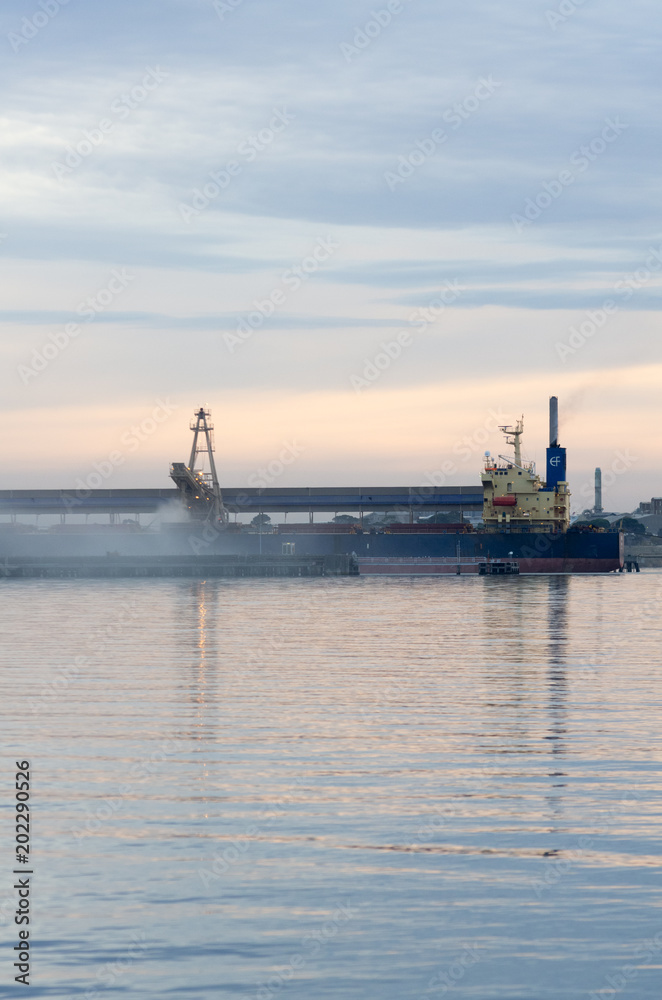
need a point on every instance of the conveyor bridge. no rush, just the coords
(282, 500)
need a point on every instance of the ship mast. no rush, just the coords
(513, 436)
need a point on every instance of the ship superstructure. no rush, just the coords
(514, 496)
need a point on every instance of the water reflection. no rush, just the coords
(559, 589)
(557, 644)
(197, 616)
(525, 625)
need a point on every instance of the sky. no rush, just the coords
(366, 232)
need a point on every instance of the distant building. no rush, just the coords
(654, 506)
(649, 513)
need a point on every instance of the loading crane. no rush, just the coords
(200, 490)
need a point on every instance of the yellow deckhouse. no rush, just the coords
(515, 499)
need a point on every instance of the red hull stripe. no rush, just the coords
(444, 566)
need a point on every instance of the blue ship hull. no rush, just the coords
(378, 552)
(412, 553)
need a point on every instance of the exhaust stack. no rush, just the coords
(598, 491)
(556, 462)
(554, 422)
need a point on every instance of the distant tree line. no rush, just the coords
(628, 524)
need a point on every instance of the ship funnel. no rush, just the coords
(598, 491)
(553, 422)
(555, 455)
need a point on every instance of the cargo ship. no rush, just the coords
(525, 526)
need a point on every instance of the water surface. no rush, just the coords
(359, 788)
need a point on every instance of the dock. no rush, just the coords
(113, 566)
